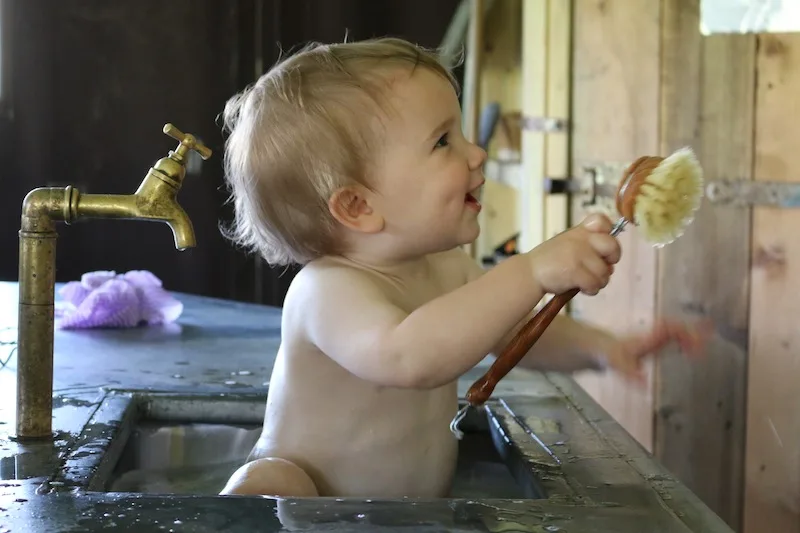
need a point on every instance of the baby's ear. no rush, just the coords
(352, 208)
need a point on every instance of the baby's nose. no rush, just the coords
(477, 157)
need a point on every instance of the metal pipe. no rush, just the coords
(155, 199)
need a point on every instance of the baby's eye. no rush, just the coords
(442, 142)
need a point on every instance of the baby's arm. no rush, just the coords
(568, 345)
(565, 346)
(431, 346)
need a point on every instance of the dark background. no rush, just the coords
(89, 84)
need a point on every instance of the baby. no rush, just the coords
(349, 159)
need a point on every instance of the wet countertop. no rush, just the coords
(597, 477)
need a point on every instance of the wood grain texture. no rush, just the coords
(615, 113)
(707, 103)
(772, 490)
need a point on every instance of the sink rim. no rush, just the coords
(639, 486)
(89, 463)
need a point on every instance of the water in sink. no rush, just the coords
(198, 458)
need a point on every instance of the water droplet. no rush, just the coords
(177, 376)
(361, 516)
(230, 382)
(177, 522)
(245, 373)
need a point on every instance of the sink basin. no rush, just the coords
(191, 444)
(550, 461)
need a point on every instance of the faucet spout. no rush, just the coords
(183, 231)
(154, 200)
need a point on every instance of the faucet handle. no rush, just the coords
(188, 142)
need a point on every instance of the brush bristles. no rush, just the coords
(669, 198)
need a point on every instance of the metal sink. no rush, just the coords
(550, 461)
(190, 445)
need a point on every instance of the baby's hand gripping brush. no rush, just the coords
(660, 197)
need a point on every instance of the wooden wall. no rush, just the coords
(772, 467)
(707, 91)
(646, 82)
(615, 115)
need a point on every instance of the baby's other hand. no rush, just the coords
(581, 257)
(625, 355)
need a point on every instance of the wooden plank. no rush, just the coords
(557, 164)
(707, 103)
(500, 82)
(772, 490)
(615, 113)
(534, 85)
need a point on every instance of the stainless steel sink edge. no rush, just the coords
(89, 463)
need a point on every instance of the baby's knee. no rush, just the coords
(270, 476)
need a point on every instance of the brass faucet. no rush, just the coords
(155, 199)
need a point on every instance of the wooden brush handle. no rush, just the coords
(522, 342)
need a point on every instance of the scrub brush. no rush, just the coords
(660, 196)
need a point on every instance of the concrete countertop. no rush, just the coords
(597, 477)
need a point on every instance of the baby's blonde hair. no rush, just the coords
(298, 134)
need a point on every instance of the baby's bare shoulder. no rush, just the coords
(329, 276)
(345, 315)
(323, 284)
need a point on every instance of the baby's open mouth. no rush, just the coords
(471, 198)
(472, 201)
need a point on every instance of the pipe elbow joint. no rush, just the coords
(53, 203)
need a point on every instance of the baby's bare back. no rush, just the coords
(351, 436)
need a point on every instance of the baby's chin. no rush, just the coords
(470, 234)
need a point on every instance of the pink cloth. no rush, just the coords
(105, 299)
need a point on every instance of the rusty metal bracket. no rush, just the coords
(544, 124)
(746, 193)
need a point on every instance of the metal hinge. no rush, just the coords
(745, 193)
(544, 124)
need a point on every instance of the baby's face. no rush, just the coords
(427, 175)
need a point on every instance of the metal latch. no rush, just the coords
(745, 193)
(596, 185)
